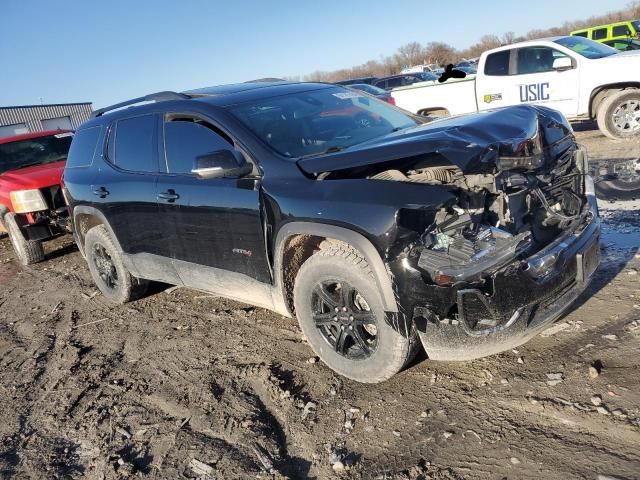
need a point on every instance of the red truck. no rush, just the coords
(32, 207)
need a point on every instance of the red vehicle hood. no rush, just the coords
(38, 176)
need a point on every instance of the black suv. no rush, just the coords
(467, 235)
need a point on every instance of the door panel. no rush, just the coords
(212, 222)
(215, 223)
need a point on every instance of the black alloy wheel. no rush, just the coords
(344, 319)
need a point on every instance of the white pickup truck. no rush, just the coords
(579, 77)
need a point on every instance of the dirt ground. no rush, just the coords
(182, 385)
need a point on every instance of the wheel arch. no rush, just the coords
(311, 235)
(601, 92)
(84, 219)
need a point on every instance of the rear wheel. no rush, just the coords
(340, 311)
(27, 251)
(108, 270)
(619, 114)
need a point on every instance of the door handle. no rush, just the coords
(170, 196)
(101, 192)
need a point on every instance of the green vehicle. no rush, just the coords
(612, 31)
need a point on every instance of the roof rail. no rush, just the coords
(152, 97)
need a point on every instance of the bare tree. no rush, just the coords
(441, 53)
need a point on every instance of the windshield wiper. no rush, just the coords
(333, 149)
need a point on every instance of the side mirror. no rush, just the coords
(563, 63)
(221, 163)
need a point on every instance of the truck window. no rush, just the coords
(187, 139)
(536, 59)
(599, 34)
(584, 34)
(135, 143)
(83, 147)
(497, 64)
(395, 82)
(620, 31)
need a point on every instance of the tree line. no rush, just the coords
(441, 53)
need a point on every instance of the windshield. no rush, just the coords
(319, 121)
(427, 76)
(368, 88)
(636, 25)
(587, 48)
(34, 151)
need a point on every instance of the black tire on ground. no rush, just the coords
(27, 251)
(366, 349)
(108, 270)
(618, 190)
(609, 123)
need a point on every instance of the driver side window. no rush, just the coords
(536, 59)
(187, 138)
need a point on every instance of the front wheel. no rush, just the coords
(108, 270)
(27, 251)
(619, 114)
(340, 312)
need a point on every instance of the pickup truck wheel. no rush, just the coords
(107, 269)
(340, 311)
(28, 251)
(619, 114)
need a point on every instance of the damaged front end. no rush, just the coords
(487, 271)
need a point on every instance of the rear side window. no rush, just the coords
(83, 147)
(620, 31)
(186, 140)
(134, 144)
(497, 64)
(599, 34)
(584, 34)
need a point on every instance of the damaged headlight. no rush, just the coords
(527, 155)
(449, 259)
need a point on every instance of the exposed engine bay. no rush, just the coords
(497, 217)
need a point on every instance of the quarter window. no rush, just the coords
(497, 64)
(584, 34)
(134, 147)
(187, 139)
(83, 147)
(599, 34)
(620, 31)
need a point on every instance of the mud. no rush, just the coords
(182, 385)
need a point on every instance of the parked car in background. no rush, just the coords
(375, 91)
(624, 44)
(394, 81)
(420, 68)
(32, 207)
(351, 81)
(469, 70)
(469, 235)
(581, 78)
(611, 31)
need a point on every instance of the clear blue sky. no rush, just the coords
(106, 51)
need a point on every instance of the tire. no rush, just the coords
(27, 251)
(609, 124)
(108, 270)
(371, 351)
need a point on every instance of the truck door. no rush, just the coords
(546, 76)
(539, 75)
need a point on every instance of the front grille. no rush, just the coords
(53, 197)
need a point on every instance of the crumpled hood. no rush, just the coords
(471, 142)
(37, 176)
